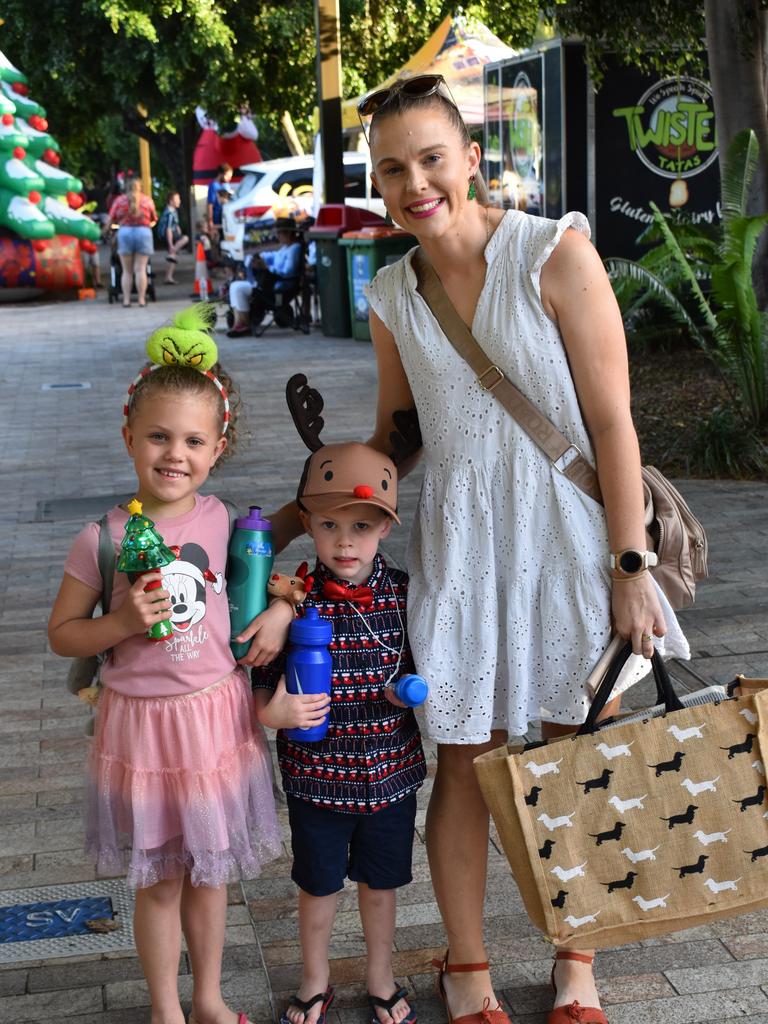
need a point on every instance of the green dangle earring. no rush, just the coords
(472, 193)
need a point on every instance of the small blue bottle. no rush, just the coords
(308, 667)
(410, 690)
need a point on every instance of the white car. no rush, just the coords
(283, 188)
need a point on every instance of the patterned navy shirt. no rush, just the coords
(371, 755)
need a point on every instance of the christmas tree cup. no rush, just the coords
(143, 550)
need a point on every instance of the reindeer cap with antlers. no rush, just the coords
(340, 475)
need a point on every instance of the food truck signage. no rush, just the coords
(553, 143)
(671, 128)
(654, 141)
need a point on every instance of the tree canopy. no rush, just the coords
(119, 57)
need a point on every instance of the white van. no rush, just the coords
(281, 188)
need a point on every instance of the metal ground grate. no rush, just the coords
(42, 903)
(52, 510)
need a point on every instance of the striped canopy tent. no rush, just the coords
(457, 50)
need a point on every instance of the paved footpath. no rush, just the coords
(63, 464)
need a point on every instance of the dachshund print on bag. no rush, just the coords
(687, 782)
(693, 869)
(566, 874)
(543, 769)
(577, 922)
(606, 837)
(640, 855)
(646, 905)
(545, 851)
(694, 788)
(681, 735)
(716, 887)
(564, 820)
(601, 782)
(633, 803)
(622, 883)
(752, 801)
(622, 750)
(712, 837)
(682, 819)
(741, 748)
(668, 766)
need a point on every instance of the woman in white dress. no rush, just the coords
(511, 596)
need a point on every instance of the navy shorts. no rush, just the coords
(329, 846)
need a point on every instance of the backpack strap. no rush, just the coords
(105, 558)
(232, 511)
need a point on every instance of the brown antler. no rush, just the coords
(406, 438)
(305, 405)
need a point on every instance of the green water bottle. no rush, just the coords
(250, 563)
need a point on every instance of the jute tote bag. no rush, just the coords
(622, 832)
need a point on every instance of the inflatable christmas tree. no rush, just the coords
(143, 550)
(38, 200)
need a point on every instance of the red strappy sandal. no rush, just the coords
(574, 1013)
(484, 1016)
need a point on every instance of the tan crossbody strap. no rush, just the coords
(490, 378)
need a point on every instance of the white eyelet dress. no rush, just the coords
(509, 600)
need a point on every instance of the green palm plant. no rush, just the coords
(723, 319)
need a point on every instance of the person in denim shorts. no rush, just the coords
(134, 213)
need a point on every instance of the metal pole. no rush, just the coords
(329, 96)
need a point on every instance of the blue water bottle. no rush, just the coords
(410, 690)
(250, 563)
(308, 667)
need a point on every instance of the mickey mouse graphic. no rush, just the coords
(185, 580)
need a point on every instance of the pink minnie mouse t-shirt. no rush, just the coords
(197, 654)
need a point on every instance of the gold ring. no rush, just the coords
(645, 637)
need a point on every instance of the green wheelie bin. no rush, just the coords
(368, 250)
(333, 220)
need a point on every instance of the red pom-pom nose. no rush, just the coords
(19, 152)
(7, 118)
(363, 491)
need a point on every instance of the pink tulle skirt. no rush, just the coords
(181, 785)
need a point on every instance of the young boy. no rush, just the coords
(351, 796)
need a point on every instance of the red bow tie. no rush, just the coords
(340, 592)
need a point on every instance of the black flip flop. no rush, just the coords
(387, 1004)
(305, 1005)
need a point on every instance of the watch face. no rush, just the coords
(631, 561)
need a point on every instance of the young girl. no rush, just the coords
(180, 785)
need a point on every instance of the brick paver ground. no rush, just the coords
(61, 444)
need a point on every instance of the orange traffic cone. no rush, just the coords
(202, 281)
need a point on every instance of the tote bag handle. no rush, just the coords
(664, 688)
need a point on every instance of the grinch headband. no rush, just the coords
(186, 342)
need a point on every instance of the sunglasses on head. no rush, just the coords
(419, 85)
